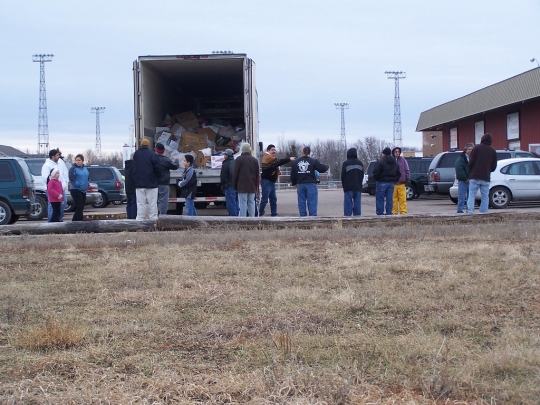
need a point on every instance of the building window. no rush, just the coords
(512, 126)
(453, 138)
(478, 131)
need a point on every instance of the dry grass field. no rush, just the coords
(429, 314)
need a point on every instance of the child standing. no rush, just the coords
(55, 193)
(188, 185)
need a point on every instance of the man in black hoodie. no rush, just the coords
(482, 162)
(352, 175)
(386, 173)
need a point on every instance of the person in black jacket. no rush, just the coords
(226, 176)
(131, 201)
(462, 176)
(482, 162)
(352, 175)
(188, 185)
(146, 173)
(165, 179)
(304, 179)
(386, 173)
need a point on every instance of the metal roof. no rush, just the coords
(522, 87)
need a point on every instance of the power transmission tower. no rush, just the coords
(97, 111)
(43, 124)
(397, 110)
(343, 107)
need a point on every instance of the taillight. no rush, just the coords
(25, 192)
(118, 185)
(436, 176)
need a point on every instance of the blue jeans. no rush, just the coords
(131, 206)
(246, 204)
(268, 193)
(163, 199)
(50, 209)
(190, 208)
(307, 194)
(463, 188)
(351, 203)
(474, 185)
(383, 191)
(231, 201)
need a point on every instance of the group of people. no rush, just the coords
(473, 172)
(56, 175)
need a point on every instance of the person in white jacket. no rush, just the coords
(56, 162)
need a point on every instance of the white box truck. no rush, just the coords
(215, 87)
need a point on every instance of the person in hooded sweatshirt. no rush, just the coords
(399, 200)
(482, 162)
(352, 175)
(386, 173)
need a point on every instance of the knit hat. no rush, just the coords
(145, 142)
(386, 151)
(229, 152)
(245, 147)
(160, 148)
(53, 172)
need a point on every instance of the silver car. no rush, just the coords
(515, 179)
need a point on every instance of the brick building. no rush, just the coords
(508, 110)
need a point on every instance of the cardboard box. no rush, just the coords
(216, 161)
(187, 120)
(168, 139)
(203, 161)
(209, 132)
(177, 130)
(192, 142)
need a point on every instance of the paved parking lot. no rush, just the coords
(331, 205)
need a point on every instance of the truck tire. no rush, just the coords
(5, 213)
(41, 212)
(201, 205)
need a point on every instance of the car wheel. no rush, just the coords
(201, 205)
(371, 191)
(499, 197)
(40, 212)
(454, 200)
(69, 207)
(410, 192)
(5, 213)
(14, 218)
(117, 202)
(102, 201)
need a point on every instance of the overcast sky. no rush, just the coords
(309, 55)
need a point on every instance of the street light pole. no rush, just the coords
(535, 60)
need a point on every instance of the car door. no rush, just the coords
(523, 179)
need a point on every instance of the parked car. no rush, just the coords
(110, 184)
(442, 170)
(515, 179)
(35, 165)
(418, 167)
(17, 193)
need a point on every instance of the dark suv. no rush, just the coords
(418, 168)
(17, 194)
(110, 184)
(442, 170)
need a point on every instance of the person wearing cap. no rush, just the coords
(386, 173)
(165, 179)
(246, 180)
(55, 193)
(352, 175)
(269, 175)
(304, 179)
(188, 185)
(147, 171)
(399, 197)
(55, 162)
(482, 162)
(226, 177)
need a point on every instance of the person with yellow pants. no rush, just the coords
(400, 196)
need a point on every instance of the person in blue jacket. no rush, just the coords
(78, 177)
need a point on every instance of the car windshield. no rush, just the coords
(35, 166)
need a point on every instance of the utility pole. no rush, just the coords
(97, 111)
(43, 124)
(397, 110)
(343, 107)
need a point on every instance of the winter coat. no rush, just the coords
(303, 170)
(55, 192)
(147, 169)
(483, 160)
(405, 173)
(462, 167)
(167, 165)
(78, 176)
(227, 172)
(270, 167)
(386, 170)
(188, 184)
(352, 172)
(246, 174)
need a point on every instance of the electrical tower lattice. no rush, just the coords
(343, 107)
(97, 111)
(397, 110)
(43, 124)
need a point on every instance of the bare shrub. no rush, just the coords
(50, 335)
